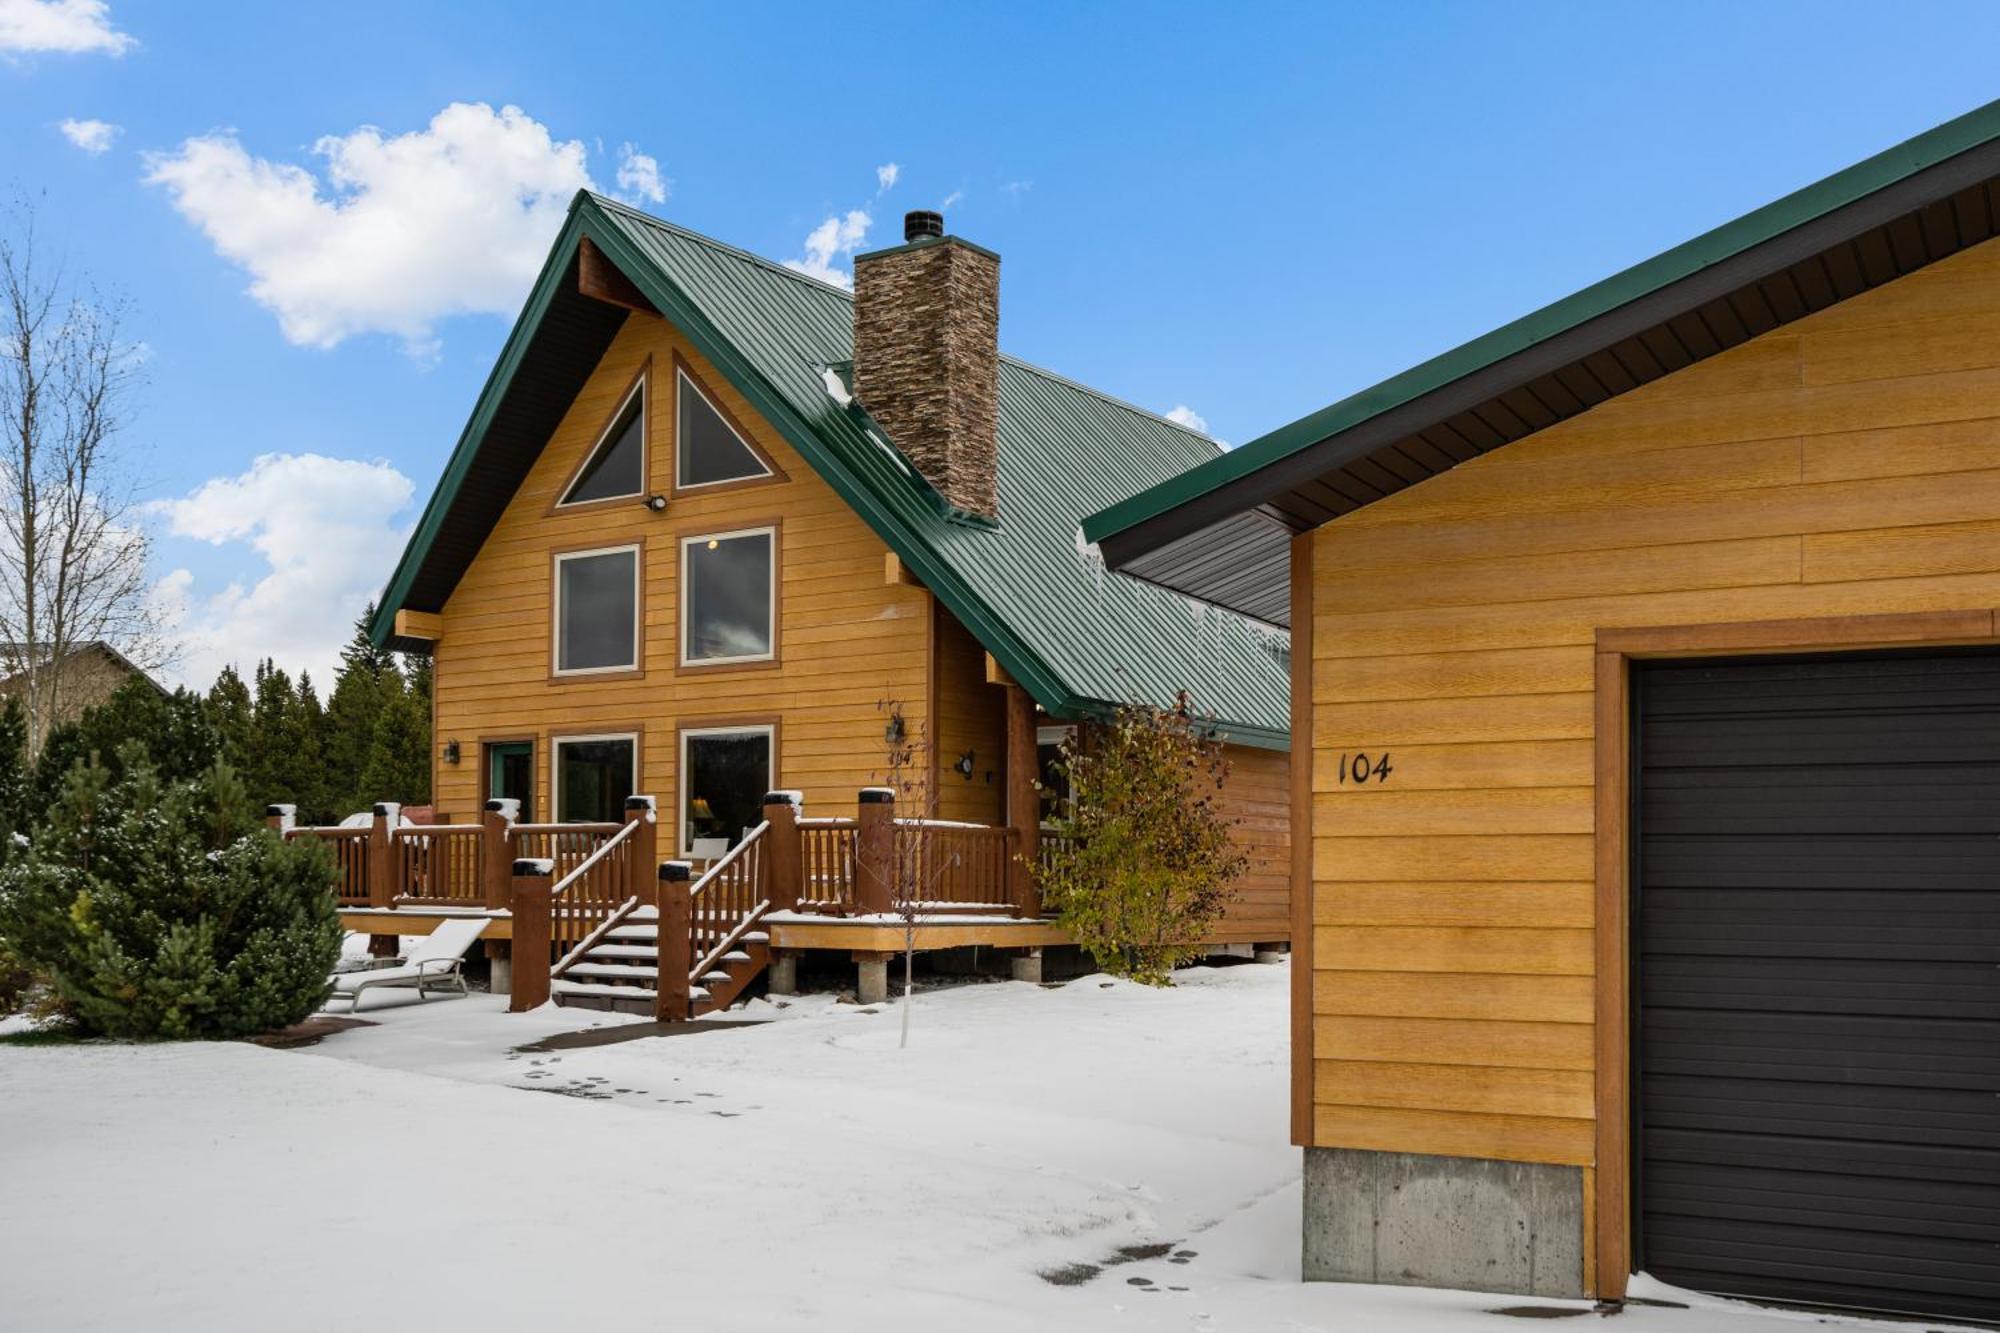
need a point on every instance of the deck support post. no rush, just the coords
(1026, 965)
(1024, 806)
(499, 967)
(496, 856)
(871, 980)
(533, 879)
(875, 852)
(783, 864)
(675, 943)
(783, 977)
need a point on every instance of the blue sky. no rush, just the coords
(1243, 210)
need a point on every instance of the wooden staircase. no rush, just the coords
(620, 970)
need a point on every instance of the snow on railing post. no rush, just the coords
(532, 879)
(784, 863)
(281, 819)
(382, 887)
(644, 853)
(875, 852)
(676, 942)
(496, 851)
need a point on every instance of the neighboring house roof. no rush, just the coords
(1077, 638)
(13, 651)
(1222, 531)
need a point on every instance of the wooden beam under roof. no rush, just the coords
(600, 279)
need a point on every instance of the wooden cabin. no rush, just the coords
(717, 533)
(1646, 784)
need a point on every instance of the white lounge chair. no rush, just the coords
(435, 961)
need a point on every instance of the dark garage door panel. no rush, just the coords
(1818, 972)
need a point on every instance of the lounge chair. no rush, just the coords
(436, 961)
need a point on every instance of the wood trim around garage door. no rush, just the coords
(1610, 1244)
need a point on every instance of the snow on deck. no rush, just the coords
(799, 1173)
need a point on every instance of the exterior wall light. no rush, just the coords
(451, 751)
(964, 766)
(657, 503)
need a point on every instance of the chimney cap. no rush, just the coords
(920, 223)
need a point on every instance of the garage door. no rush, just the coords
(1818, 973)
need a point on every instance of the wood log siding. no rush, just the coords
(1842, 466)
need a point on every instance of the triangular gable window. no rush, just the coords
(707, 447)
(616, 468)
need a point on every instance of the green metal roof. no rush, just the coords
(1078, 638)
(1114, 525)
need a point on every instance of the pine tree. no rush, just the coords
(230, 717)
(398, 767)
(359, 689)
(268, 769)
(305, 731)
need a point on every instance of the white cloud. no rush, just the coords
(639, 178)
(451, 219)
(835, 238)
(70, 27)
(951, 199)
(1183, 415)
(328, 531)
(92, 136)
(1017, 188)
(885, 177)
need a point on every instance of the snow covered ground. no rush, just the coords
(803, 1172)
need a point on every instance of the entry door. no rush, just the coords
(510, 771)
(1818, 973)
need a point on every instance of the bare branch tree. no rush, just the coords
(73, 559)
(920, 862)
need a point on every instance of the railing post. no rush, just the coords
(281, 819)
(675, 943)
(645, 840)
(532, 880)
(382, 855)
(784, 861)
(875, 852)
(1024, 803)
(496, 860)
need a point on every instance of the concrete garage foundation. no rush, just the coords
(1412, 1220)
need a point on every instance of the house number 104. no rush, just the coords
(1360, 769)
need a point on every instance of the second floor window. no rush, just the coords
(616, 466)
(728, 597)
(597, 611)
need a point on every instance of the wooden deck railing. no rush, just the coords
(826, 865)
(946, 864)
(350, 858)
(438, 864)
(723, 904)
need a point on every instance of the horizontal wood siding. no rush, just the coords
(1258, 796)
(846, 638)
(1847, 464)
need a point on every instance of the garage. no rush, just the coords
(1817, 971)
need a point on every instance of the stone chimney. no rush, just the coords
(927, 356)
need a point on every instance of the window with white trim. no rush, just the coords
(725, 772)
(729, 593)
(597, 611)
(615, 469)
(592, 775)
(707, 449)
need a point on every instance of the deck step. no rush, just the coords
(614, 971)
(564, 986)
(646, 951)
(736, 956)
(622, 932)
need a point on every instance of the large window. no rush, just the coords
(597, 611)
(728, 597)
(593, 776)
(707, 449)
(616, 466)
(725, 772)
